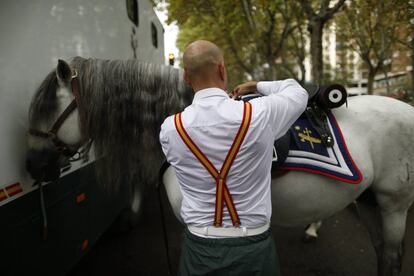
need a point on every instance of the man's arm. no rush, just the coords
(285, 101)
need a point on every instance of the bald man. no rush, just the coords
(221, 151)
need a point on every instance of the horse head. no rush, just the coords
(54, 128)
(120, 104)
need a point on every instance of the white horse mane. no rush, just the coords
(125, 102)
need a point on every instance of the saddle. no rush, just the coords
(321, 99)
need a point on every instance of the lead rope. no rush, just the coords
(43, 209)
(82, 154)
(44, 214)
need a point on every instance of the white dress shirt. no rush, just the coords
(212, 122)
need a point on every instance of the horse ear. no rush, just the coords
(63, 72)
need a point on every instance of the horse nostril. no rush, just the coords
(33, 166)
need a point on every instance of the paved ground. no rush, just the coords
(342, 249)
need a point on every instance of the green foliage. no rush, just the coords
(318, 14)
(270, 39)
(370, 28)
(252, 33)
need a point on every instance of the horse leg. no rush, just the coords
(394, 202)
(393, 225)
(311, 231)
(386, 227)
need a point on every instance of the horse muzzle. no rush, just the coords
(43, 165)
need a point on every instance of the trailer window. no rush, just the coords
(132, 9)
(154, 34)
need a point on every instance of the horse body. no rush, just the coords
(126, 101)
(378, 132)
(371, 138)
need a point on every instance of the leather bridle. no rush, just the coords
(62, 147)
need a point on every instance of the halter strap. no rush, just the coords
(62, 118)
(61, 146)
(222, 191)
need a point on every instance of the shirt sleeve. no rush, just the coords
(284, 102)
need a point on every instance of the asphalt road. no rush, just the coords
(343, 248)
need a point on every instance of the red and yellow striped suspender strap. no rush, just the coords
(222, 192)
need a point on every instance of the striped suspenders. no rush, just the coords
(222, 192)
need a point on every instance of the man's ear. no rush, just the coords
(187, 78)
(222, 72)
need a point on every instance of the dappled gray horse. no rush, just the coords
(121, 105)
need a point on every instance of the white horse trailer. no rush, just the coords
(34, 35)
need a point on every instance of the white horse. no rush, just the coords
(378, 132)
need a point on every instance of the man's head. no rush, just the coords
(204, 66)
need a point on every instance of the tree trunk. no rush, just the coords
(387, 81)
(270, 73)
(370, 85)
(316, 30)
(303, 73)
(412, 66)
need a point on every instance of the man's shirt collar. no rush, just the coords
(208, 93)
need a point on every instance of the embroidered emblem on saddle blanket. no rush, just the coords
(307, 152)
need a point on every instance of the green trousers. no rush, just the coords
(249, 256)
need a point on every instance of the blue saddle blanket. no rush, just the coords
(307, 153)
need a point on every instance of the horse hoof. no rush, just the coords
(308, 238)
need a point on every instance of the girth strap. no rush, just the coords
(222, 192)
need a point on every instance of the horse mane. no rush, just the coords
(44, 102)
(125, 102)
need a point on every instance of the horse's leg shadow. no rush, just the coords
(370, 217)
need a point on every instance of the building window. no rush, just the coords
(132, 9)
(154, 35)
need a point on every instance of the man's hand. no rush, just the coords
(243, 89)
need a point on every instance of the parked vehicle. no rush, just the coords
(35, 34)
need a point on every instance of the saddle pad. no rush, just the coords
(307, 153)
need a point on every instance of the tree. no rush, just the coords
(252, 33)
(316, 22)
(295, 52)
(405, 40)
(411, 28)
(370, 27)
